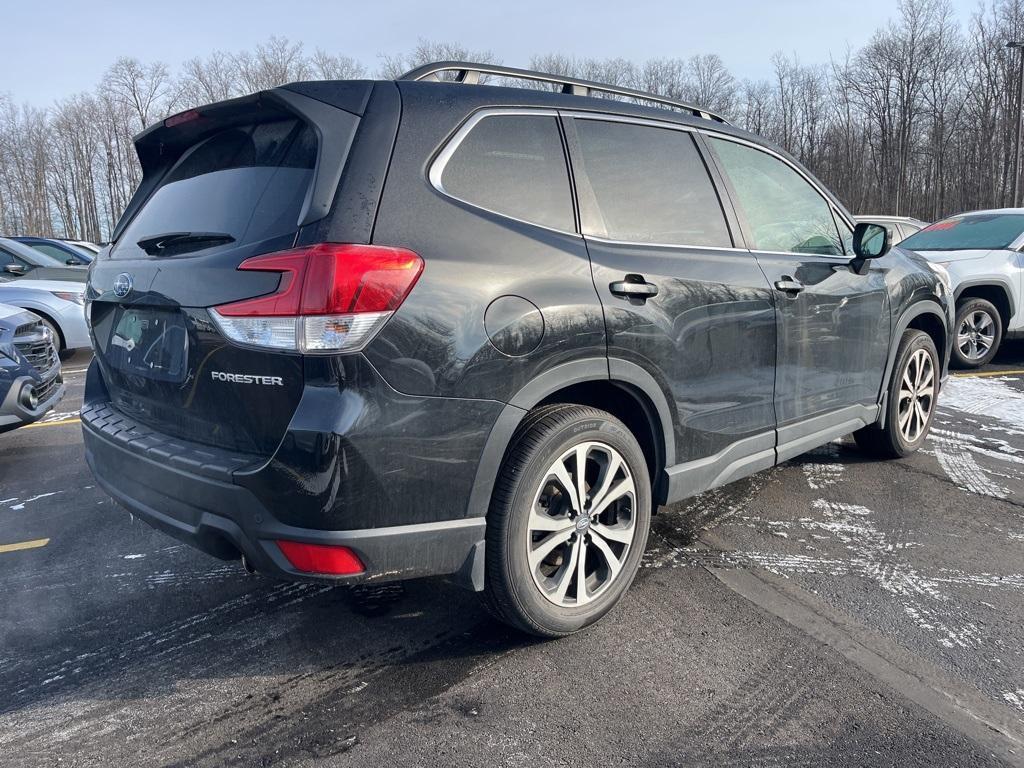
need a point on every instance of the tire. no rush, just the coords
(905, 427)
(979, 332)
(532, 509)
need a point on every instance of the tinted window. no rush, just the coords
(513, 165)
(651, 185)
(784, 212)
(248, 182)
(52, 250)
(845, 234)
(983, 231)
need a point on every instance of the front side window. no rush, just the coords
(981, 231)
(845, 233)
(784, 212)
(513, 165)
(651, 185)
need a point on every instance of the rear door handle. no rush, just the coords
(789, 285)
(633, 287)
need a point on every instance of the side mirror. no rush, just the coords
(71, 262)
(870, 241)
(14, 269)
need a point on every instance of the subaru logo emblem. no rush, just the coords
(122, 285)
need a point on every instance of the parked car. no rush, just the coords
(18, 260)
(899, 227)
(85, 245)
(61, 250)
(361, 331)
(982, 252)
(30, 378)
(59, 304)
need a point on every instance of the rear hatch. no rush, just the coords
(221, 184)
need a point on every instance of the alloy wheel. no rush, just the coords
(976, 335)
(917, 395)
(582, 524)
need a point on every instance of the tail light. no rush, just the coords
(331, 298)
(335, 560)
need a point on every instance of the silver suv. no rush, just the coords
(982, 252)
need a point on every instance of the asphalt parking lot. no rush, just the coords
(831, 610)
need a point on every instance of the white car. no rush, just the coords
(899, 227)
(982, 253)
(60, 304)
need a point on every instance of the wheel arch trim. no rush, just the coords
(988, 282)
(614, 371)
(924, 307)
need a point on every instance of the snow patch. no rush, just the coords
(1015, 698)
(988, 397)
(960, 467)
(821, 476)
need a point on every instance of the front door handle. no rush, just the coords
(634, 287)
(789, 285)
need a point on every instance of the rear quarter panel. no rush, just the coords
(437, 343)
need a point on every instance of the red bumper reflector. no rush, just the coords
(322, 558)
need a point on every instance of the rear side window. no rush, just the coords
(248, 182)
(651, 185)
(513, 165)
(785, 213)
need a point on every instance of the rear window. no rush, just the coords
(513, 165)
(651, 185)
(248, 182)
(987, 231)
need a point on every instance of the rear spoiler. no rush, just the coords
(327, 107)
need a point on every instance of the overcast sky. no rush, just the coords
(56, 48)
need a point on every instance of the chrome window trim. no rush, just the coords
(612, 118)
(436, 170)
(843, 259)
(612, 241)
(437, 166)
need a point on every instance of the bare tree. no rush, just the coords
(426, 51)
(921, 120)
(203, 81)
(273, 63)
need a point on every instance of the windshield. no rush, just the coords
(984, 231)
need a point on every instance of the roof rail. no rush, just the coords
(469, 72)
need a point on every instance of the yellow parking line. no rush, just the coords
(986, 373)
(61, 423)
(34, 544)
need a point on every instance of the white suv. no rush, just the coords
(982, 252)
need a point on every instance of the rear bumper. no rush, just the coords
(226, 520)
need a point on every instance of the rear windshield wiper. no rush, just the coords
(170, 243)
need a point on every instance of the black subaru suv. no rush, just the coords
(363, 331)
